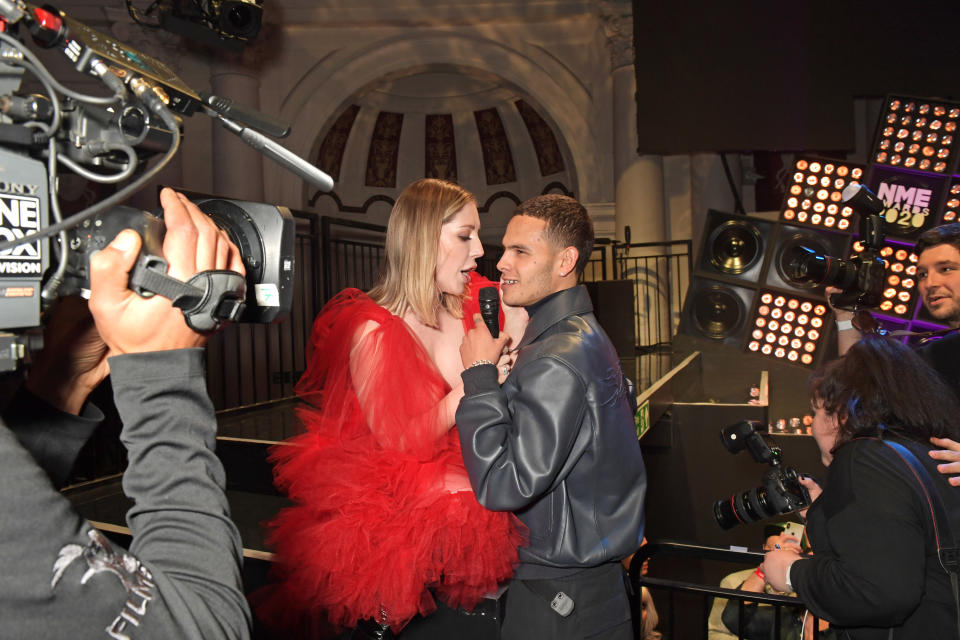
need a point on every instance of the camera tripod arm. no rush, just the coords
(207, 300)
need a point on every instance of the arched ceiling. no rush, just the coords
(468, 126)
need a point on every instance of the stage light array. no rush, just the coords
(814, 196)
(787, 327)
(952, 208)
(900, 290)
(918, 134)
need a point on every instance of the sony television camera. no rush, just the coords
(860, 279)
(107, 139)
(780, 491)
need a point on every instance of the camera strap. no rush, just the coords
(207, 300)
(949, 556)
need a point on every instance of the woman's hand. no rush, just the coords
(950, 455)
(775, 565)
(813, 489)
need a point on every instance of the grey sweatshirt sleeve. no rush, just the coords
(180, 522)
(181, 578)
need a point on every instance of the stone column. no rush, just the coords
(638, 179)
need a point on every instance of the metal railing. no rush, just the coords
(660, 587)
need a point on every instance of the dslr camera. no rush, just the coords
(780, 491)
(861, 279)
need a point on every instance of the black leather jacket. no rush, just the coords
(557, 443)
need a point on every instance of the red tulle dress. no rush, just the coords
(373, 531)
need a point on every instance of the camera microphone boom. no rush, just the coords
(118, 132)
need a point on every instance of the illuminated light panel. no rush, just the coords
(917, 134)
(814, 196)
(951, 209)
(786, 327)
(900, 288)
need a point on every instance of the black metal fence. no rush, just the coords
(660, 272)
(684, 608)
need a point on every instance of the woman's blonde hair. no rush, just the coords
(409, 282)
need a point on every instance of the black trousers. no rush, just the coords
(601, 607)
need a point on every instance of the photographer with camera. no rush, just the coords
(938, 281)
(181, 576)
(884, 555)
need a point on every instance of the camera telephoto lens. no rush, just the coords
(742, 508)
(806, 265)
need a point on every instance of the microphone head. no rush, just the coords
(488, 294)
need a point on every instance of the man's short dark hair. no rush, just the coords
(944, 234)
(568, 224)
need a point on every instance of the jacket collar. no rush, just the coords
(569, 302)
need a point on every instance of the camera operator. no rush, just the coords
(938, 281)
(181, 576)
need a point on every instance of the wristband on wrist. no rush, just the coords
(844, 325)
(481, 361)
(760, 574)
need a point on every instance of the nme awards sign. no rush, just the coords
(912, 200)
(19, 216)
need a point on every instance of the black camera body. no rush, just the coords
(780, 491)
(263, 233)
(861, 278)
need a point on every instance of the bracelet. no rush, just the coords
(481, 361)
(760, 574)
(844, 325)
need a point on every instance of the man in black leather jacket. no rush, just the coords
(556, 444)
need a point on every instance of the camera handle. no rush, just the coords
(207, 300)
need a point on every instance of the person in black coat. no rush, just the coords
(875, 571)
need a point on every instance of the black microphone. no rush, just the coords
(246, 115)
(490, 309)
(626, 236)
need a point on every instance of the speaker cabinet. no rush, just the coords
(734, 247)
(614, 304)
(717, 310)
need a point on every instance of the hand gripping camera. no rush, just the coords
(861, 278)
(780, 491)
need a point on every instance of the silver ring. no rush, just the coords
(505, 369)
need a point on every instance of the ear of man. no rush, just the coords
(568, 261)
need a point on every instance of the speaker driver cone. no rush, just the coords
(734, 247)
(718, 313)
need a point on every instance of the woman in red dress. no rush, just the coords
(385, 518)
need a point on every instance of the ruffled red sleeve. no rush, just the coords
(365, 362)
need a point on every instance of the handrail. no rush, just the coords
(719, 554)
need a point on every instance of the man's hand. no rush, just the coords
(950, 455)
(131, 324)
(478, 344)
